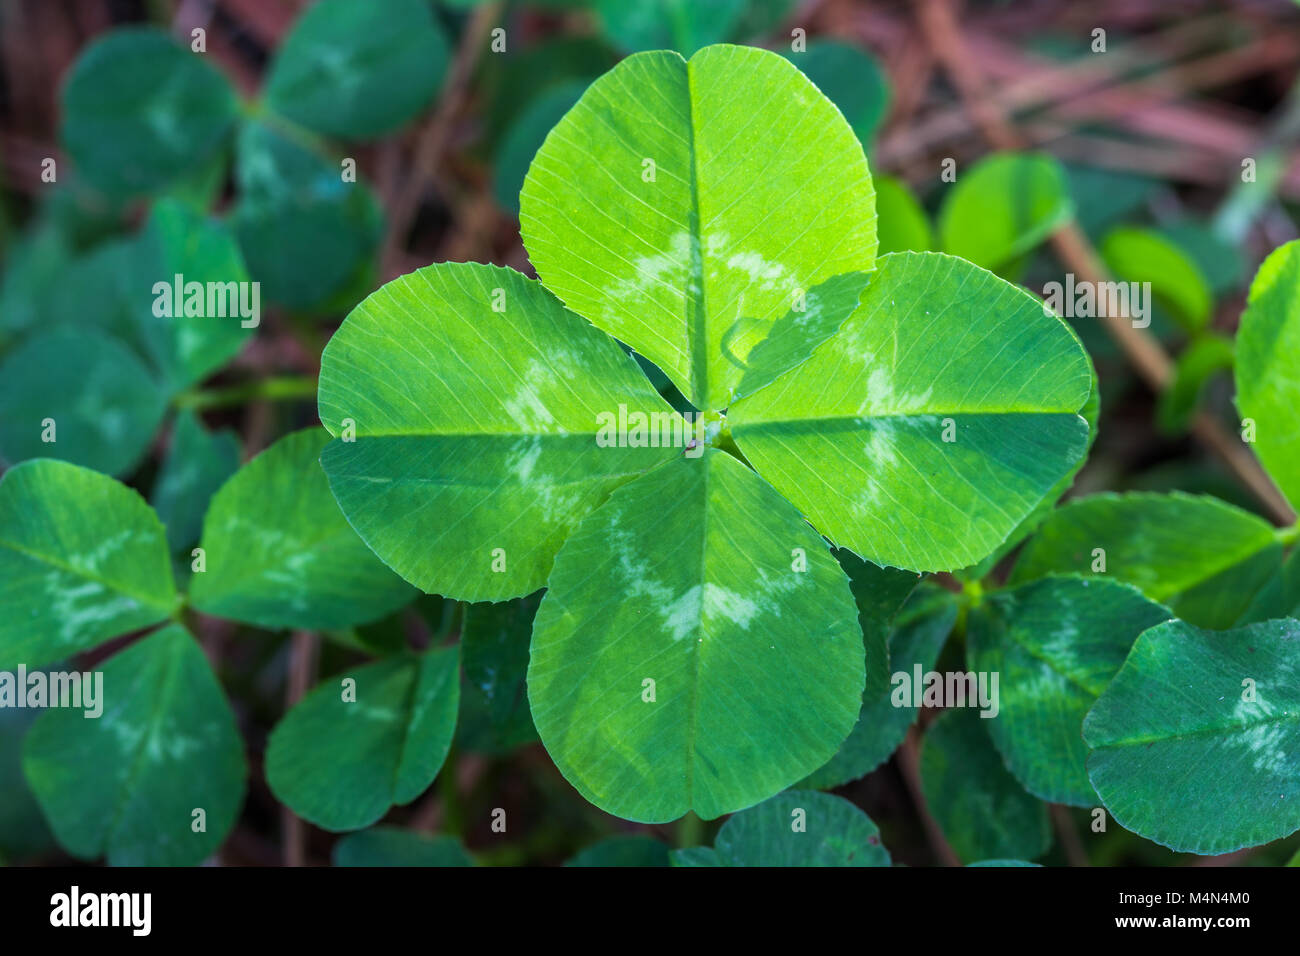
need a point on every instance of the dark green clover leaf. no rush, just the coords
(1196, 742)
(157, 779)
(921, 628)
(306, 232)
(980, 807)
(623, 851)
(390, 846)
(197, 464)
(366, 740)
(494, 640)
(1055, 643)
(78, 395)
(1202, 557)
(82, 559)
(278, 553)
(23, 831)
(795, 828)
(139, 111)
(358, 70)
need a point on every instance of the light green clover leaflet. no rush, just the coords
(855, 436)
(903, 225)
(686, 578)
(475, 430)
(1268, 370)
(1280, 595)
(1003, 207)
(685, 208)
(1186, 752)
(82, 559)
(624, 851)
(1177, 283)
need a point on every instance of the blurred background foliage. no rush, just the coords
(323, 148)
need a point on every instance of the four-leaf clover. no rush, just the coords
(698, 646)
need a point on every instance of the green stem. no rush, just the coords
(1289, 535)
(453, 815)
(275, 389)
(690, 830)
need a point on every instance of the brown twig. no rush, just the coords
(1075, 854)
(911, 67)
(434, 137)
(477, 215)
(267, 22)
(302, 668)
(1208, 138)
(939, 24)
(908, 757)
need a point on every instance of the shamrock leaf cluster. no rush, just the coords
(84, 560)
(698, 646)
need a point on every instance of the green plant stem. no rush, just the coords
(278, 389)
(690, 830)
(453, 815)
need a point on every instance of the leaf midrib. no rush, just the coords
(324, 542)
(513, 436)
(917, 413)
(1198, 732)
(585, 479)
(37, 556)
(366, 59)
(417, 665)
(408, 712)
(693, 705)
(1041, 657)
(696, 311)
(171, 669)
